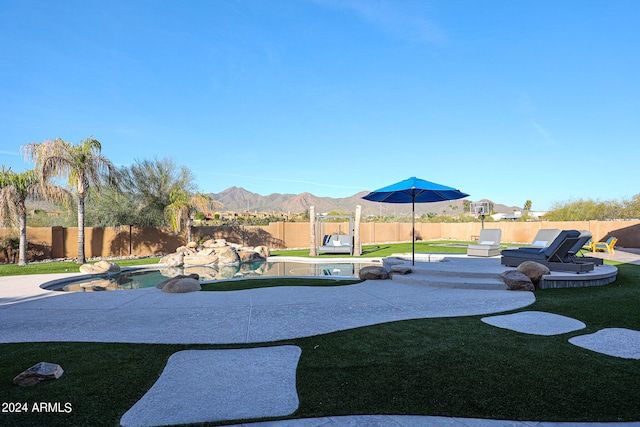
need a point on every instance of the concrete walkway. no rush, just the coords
(258, 315)
(28, 313)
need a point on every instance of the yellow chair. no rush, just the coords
(605, 246)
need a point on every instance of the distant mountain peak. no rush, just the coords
(240, 199)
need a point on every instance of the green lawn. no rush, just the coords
(456, 366)
(386, 249)
(64, 267)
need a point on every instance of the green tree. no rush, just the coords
(112, 207)
(145, 191)
(150, 184)
(81, 164)
(585, 210)
(183, 206)
(633, 207)
(527, 205)
(16, 188)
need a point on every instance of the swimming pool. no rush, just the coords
(150, 277)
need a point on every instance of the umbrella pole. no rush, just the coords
(413, 231)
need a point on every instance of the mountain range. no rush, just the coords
(238, 199)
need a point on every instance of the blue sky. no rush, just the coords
(505, 100)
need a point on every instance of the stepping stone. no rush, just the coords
(535, 323)
(198, 386)
(617, 342)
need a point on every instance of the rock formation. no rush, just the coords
(216, 253)
(373, 272)
(517, 281)
(100, 267)
(173, 260)
(534, 271)
(180, 284)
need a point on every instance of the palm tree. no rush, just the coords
(16, 188)
(183, 205)
(81, 164)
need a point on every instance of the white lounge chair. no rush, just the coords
(488, 243)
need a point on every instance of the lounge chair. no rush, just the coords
(605, 246)
(542, 239)
(555, 256)
(584, 242)
(488, 243)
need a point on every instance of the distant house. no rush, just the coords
(536, 215)
(230, 215)
(506, 216)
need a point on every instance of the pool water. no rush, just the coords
(150, 278)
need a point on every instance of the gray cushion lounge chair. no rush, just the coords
(488, 243)
(585, 236)
(542, 239)
(555, 256)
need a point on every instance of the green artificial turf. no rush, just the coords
(39, 268)
(386, 249)
(64, 266)
(455, 366)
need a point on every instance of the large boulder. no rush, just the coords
(517, 281)
(100, 267)
(247, 255)
(201, 258)
(263, 251)
(219, 243)
(180, 284)
(206, 251)
(173, 260)
(209, 243)
(534, 271)
(227, 255)
(373, 272)
(42, 371)
(186, 250)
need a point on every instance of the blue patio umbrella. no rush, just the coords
(414, 190)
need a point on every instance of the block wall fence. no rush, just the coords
(62, 242)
